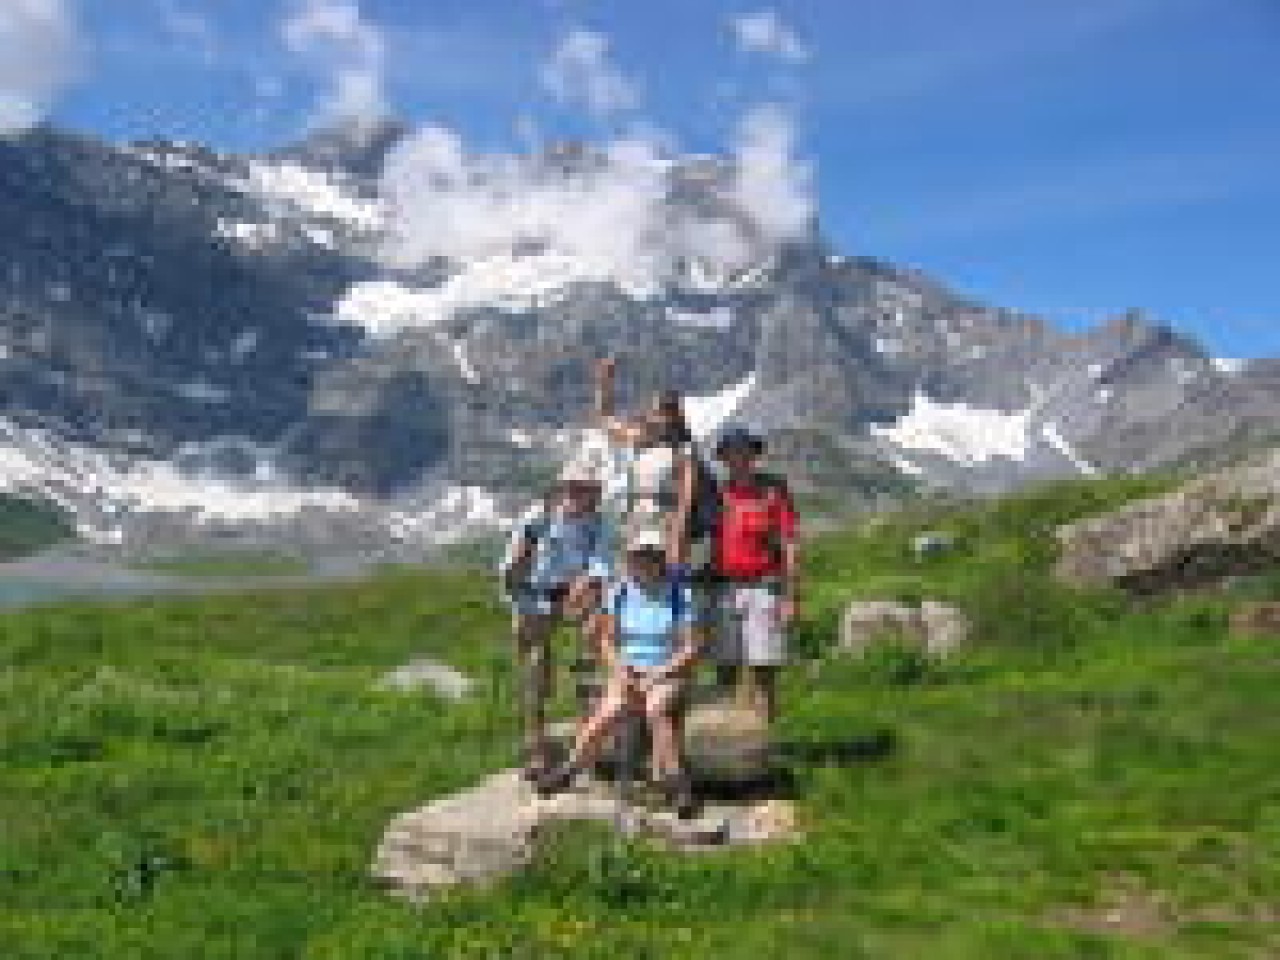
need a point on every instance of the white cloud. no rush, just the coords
(764, 32)
(581, 73)
(449, 202)
(773, 185)
(349, 52)
(605, 208)
(39, 55)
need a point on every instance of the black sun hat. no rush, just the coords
(739, 438)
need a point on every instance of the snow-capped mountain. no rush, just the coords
(196, 343)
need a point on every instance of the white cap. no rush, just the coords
(577, 473)
(647, 540)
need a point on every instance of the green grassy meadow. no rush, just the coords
(1097, 777)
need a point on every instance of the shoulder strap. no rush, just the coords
(677, 599)
(538, 525)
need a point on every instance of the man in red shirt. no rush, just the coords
(755, 562)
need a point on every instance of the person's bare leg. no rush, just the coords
(665, 758)
(767, 689)
(666, 762)
(587, 743)
(533, 652)
(594, 636)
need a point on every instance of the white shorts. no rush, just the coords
(748, 629)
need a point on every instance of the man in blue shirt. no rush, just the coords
(553, 571)
(652, 640)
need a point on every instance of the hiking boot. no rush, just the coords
(678, 791)
(535, 765)
(556, 780)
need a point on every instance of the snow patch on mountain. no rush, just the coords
(311, 192)
(202, 391)
(252, 236)
(1229, 365)
(906, 466)
(717, 318)
(469, 372)
(1053, 435)
(515, 284)
(100, 489)
(224, 482)
(707, 414)
(959, 432)
(456, 514)
(244, 344)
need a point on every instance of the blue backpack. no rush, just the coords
(535, 531)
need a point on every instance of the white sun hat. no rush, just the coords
(646, 540)
(578, 473)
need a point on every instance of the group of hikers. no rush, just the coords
(664, 561)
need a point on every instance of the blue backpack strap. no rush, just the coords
(677, 599)
(537, 528)
(595, 536)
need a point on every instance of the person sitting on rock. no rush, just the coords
(652, 627)
(556, 563)
(755, 562)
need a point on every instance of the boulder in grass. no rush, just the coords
(936, 628)
(1257, 620)
(441, 679)
(726, 741)
(766, 821)
(946, 628)
(931, 543)
(1218, 525)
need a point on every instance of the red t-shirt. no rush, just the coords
(754, 518)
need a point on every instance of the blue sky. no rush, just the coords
(1071, 158)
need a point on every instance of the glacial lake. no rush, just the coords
(19, 593)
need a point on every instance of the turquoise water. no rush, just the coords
(16, 593)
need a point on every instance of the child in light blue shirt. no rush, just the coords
(651, 624)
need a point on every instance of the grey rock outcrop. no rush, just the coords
(937, 628)
(441, 679)
(1219, 524)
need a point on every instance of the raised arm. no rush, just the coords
(604, 402)
(604, 396)
(678, 519)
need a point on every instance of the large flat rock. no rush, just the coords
(491, 830)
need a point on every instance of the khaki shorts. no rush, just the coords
(748, 629)
(661, 697)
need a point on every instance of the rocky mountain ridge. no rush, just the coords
(194, 342)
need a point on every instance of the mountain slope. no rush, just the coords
(175, 321)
